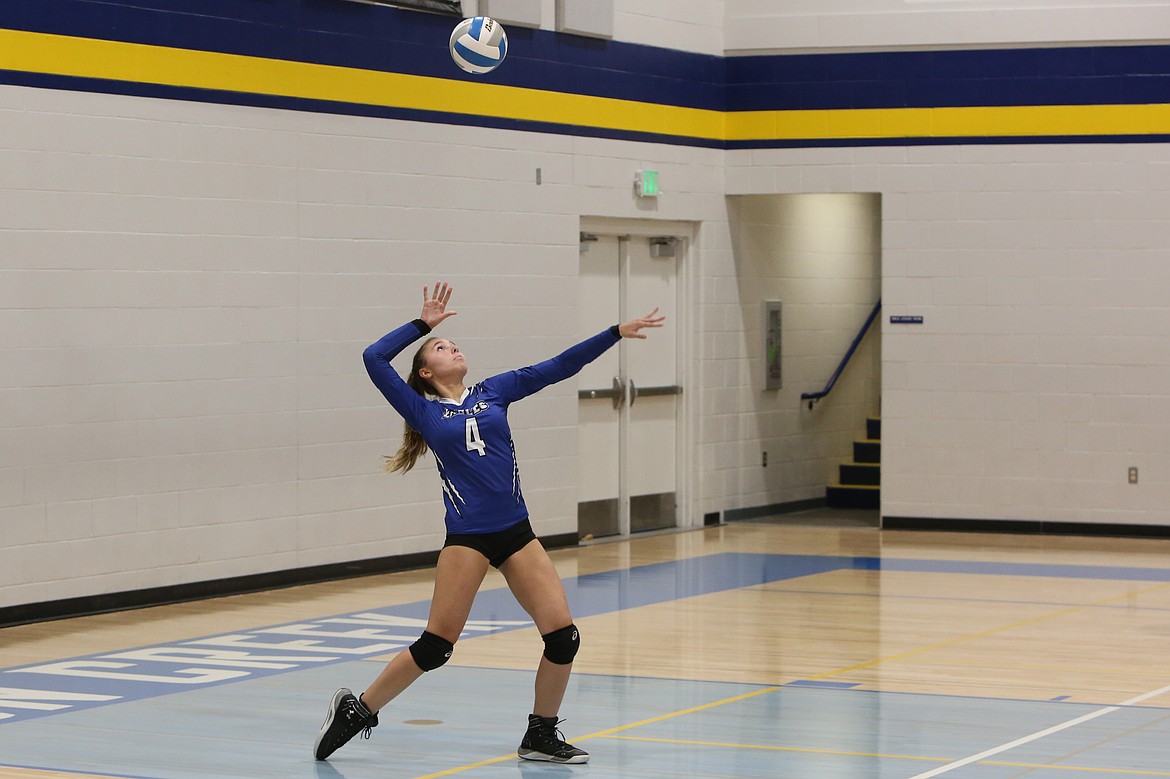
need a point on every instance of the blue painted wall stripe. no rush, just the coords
(1098, 75)
(949, 140)
(382, 38)
(102, 86)
(388, 39)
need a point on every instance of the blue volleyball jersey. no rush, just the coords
(471, 439)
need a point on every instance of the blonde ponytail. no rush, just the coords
(413, 446)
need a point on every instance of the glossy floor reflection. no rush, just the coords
(800, 647)
(465, 721)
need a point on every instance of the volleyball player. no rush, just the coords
(487, 522)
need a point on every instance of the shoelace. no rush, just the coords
(554, 731)
(353, 714)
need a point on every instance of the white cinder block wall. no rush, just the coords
(686, 25)
(185, 290)
(693, 25)
(841, 25)
(1042, 371)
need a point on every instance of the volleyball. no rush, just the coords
(479, 44)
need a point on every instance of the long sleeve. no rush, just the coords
(521, 383)
(377, 357)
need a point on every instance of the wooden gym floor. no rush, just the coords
(811, 646)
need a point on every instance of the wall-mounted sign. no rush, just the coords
(772, 344)
(905, 320)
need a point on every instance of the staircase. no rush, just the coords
(860, 485)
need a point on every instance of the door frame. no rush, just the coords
(687, 344)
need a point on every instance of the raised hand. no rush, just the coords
(630, 329)
(434, 309)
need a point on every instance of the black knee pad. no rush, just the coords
(560, 646)
(431, 651)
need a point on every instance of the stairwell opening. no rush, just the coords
(820, 255)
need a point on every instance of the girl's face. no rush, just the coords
(443, 362)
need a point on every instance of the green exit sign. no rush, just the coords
(646, 183)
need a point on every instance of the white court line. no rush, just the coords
(1040, 734)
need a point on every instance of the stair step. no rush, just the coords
(856, 496)
(867, 451)
(873, 428)
(860, 474)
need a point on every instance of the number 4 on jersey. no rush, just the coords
(474, 441)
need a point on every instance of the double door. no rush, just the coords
(629, 399)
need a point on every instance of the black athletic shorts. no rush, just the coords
(496, 547)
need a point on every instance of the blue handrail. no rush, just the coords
(813, 397)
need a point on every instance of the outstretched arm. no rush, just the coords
(515, 385)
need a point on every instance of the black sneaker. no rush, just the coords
(544, 742)
(346, 718)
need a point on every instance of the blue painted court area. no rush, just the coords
(114, 678)
(65, 686)
(265, 727)
(248, 704)
(469, 721)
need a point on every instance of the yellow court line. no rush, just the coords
(65, 55)
(779, 586)
(608, 732)
(846, 753)
(1087, 769)
(471, 766)
(1102, 743)
(662, 717)
(842, 752)
(618, 729)
(982, 633)
(1053, 668)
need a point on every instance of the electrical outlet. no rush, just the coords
(1133, 474)
(764, 460)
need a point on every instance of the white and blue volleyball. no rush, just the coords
(479, 44)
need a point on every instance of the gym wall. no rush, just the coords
(209, 212)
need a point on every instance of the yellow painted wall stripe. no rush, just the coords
(140, 63)
(973, 121)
